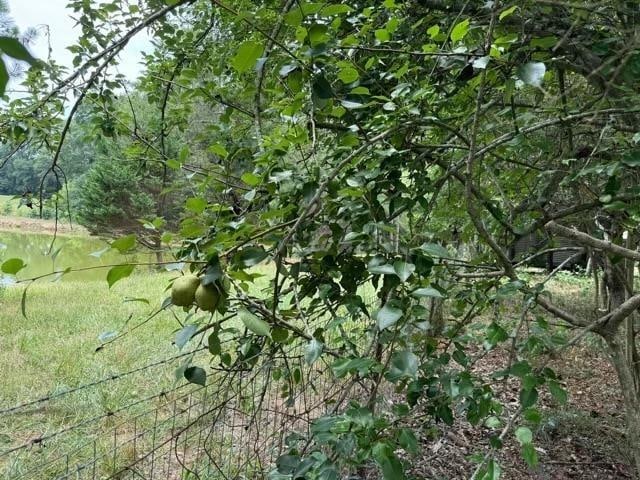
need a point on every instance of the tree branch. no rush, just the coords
(589, 241)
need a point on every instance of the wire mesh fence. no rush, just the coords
(234, 427)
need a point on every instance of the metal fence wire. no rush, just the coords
(234, 427)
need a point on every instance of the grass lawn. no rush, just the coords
(54, 349)
(11, 207)
(55, 346)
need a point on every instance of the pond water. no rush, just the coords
(73, 251)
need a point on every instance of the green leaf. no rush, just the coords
(529, 454)
(297, 375)
(505, 13)
(433, 31)
(287, 464)
(294, 17)
(382, 35)
(523, 435)
(385, 269)
(23, 301)
(313, 351)
(532, 73)
(388, 462)
(196, 375)
(12, 47)
(347, 365)
(247, 56)
(213, 342)
(213, 272)
(4, 77)
(251, 179)
(13, 266)
(184, 335)
(426, 292)
(388, 316)
(331, 10)
(532, 415)
(250, 256)
(196, 204)
(632, 158)
(279, 334)
(404, 270)
(460, 30)
(493, 422)
(495, 335)
(327, 472)
(435, 250)
(124, 244)
(544, 42)
(491, 472)
(403, 365)
(557, 392)
(118, 273)
(219, 150)
(253, 323)
(509, 289)
(407, 440)
(520, 369)
(528, 397)
(317, 34)
(348, 75)
(322, 88)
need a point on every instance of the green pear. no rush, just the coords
(184, 289)
(207, 297)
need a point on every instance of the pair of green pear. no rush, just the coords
(189, 289)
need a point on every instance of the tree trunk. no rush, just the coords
(621, 341)
(624, 358)
(618, 328)
(158, 249)
(436, 316)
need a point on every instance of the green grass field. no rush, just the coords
(11, 207)
(54, 349)
(55, 345)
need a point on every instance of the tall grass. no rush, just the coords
(54, 349)
(11, 207)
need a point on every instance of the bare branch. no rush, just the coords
(589, 241)
(614, 318)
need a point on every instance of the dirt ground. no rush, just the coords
(36, 225)
(583, 439)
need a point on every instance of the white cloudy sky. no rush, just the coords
(36, 13)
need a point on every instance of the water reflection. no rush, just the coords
(72, 251)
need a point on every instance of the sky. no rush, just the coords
(36, 13)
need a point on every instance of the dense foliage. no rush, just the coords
(397, 146)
